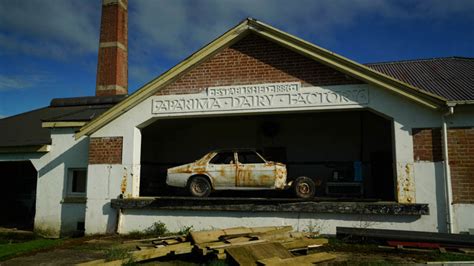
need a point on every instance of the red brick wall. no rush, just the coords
(113, 26)
(427, 144)
(112, 65)
(254, 60)
(461, 161)
(106, 150)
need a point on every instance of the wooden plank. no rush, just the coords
(238, 244)
(250, 254)
(145, 246)
(103, 262)
(466, 250)
(303, 243)
(280, 236)
(298, 261)
(147, 254)
(214, 235)
(172, 241)
(238, 239)
(221, 256)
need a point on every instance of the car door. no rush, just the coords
(222, 169)
(254, 171)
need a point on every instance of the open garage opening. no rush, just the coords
(349, 154)
(18, 194)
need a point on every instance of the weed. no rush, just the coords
(185, 230)
(314, 228)
(157, 229)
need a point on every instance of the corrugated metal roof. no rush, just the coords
(449, 77)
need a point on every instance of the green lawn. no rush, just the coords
(10, 250)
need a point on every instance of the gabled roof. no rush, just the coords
(300, 46)
(449, 77)
(27, 130)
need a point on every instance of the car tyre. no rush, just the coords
(304, 187)
(199, 186)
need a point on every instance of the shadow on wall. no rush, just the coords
(111, 217)
(441, 205)
(71, 214)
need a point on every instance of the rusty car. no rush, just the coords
(236, 169)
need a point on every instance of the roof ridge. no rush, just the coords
(420, 60)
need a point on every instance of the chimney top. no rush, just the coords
(112, 65)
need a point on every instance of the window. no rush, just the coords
(77, 182)
(223, 158)
(250, 157)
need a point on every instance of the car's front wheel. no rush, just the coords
(199, 186)
(304, 187)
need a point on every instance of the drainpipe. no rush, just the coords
(447, 171)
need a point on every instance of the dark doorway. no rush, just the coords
(18, 194)
(348, 152)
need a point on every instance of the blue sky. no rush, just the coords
(48, 48)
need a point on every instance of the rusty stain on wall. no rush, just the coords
(405, 182)
(123, 185)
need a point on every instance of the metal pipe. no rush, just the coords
(447, 172)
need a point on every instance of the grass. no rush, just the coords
(9, 250)
(119, 254)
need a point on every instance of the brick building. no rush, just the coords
(394, 140)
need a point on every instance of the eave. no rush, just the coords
(26, 149)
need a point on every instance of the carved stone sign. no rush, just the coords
(261, 96)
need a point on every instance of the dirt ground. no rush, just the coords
(78, 250)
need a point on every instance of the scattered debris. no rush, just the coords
(459, 240)
(242, 245)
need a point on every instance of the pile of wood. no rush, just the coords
(241, 245)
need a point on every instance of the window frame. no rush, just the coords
(70, 180)
(218, 153)
(254, 152)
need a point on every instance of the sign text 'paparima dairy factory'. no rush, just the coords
(261, 96)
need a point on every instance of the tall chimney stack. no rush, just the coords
(112, 66)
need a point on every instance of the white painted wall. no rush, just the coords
(463, 217)
(53, 217)
(324, 223)
(417, 182)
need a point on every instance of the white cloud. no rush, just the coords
(179, 27)
(50, 28)
(171, 30)
(20, 82)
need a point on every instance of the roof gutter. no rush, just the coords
(62, 124)
(453, 103)
(26, 149)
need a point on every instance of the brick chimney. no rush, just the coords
(112, 66)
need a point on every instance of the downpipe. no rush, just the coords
(447, 172)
